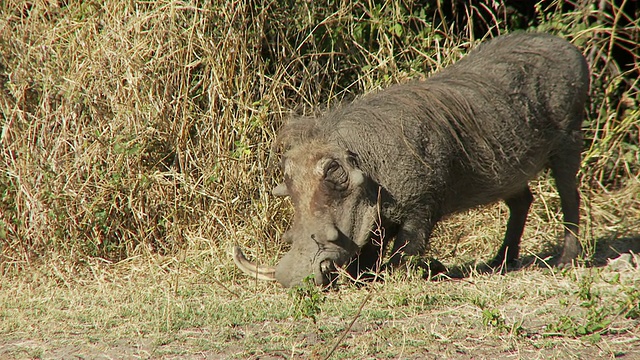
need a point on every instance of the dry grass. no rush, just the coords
(122, 128)
(195, 305)
(136, 147)
(137, 127)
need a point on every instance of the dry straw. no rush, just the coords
(134, 127)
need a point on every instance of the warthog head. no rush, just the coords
(333, 217)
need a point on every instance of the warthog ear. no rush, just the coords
(280, 190)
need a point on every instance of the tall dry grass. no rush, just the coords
(133, 127)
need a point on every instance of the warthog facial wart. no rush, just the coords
(403, 158)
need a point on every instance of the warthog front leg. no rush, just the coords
(518, 209)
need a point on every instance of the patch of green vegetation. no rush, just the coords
(493, 317)
(596, 319)
(628, 300)
(307, 298)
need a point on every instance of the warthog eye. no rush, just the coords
(335, 176)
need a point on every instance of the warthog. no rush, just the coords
(401, 159)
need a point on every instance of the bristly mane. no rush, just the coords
(296, 131)
(438, 107)
(472, 108)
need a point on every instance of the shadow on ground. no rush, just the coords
(607, 248)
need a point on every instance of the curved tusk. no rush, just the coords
(267, 273)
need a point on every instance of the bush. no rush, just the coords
(132, 127)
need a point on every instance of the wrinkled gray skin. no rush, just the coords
(472, 134)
